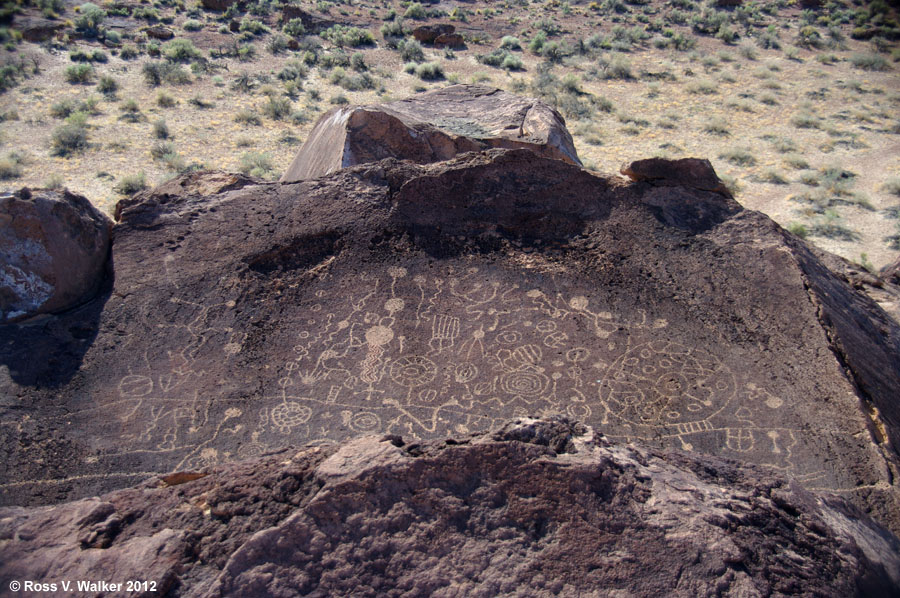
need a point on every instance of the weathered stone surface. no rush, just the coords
(311, 22)
(536, 508)
(694, 173)
(431, 127)
(53, 251)
(427, 300)
(428, 33)
(218, 5)
(449, 40)
(37, 29)
(159, 32)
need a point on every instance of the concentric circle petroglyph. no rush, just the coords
(413, 370)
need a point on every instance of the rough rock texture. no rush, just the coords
(311, 22)
(428, 33)
(428, 300)
(537, 508)
(694, 173)
(37, 29)
(431, 127)
(54, 247)
(159, 32)
(449, 40)
(217, 4)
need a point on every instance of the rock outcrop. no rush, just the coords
(428, 33)
(536, 508)
(54, 247)
(431, 127)
(441, 299)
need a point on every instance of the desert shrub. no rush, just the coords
(108, 85)
(157, 73)
(869, 62)
(11, 165)
(808, 37)
(703, 87)
(773, 177)
(160, 129)
(161, 148)
(798, 229)
(128, 52)
(430, 71)
(200, 102)
(79, 73)
(393, 29)
(616, 66)
(805, 120)
(90, 18)
(294, 28)
(256, 164)
(277, 108)
(293, 70)
(352, 37)
(536, 45)
(246, 117)
(738, 157)
(508, 42)
(415, 11)
(411, 51)
(339, 100)
(192, 25)
(69, 138)
(131, 112)
(717, 126)
(796, 162)
(180, 50)
(164, 100)
(892, 186)
(277, 44)
(512, 63)
(131, 184)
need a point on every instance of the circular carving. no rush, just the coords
(288, 415)
(465, 373)
(509, 337)
(413, 370)
(665, 383)
(379, 335)
(365, 422)
(523, 383)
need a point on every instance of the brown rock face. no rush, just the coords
(37, 29)
(534, 509)
(440, 299)
(449, 40)
(431, 127)
(159, 32)
(217, 5)
(428, 33)
(53, 252)
(693, 173)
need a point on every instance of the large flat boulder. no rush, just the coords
(533, 509)
(441, 299)
(54, 247)
(431, 127)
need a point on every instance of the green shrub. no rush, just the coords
(738, 157)
(160, 129)
(192, 25)
(393, 29)
(157, 73)
(131, 184)
(805, 120)
(253, 26)
(161, 148)
(180, 50)
(415, 11)
(430, 71)
(352, 37)
(616, 66)
(79, 73)
(508, 42)
(277, 108)
(108, 85)
(69, 138)
(256, 164)
(798, 229)
(294, 28)
(246, 117)
(90, 18)
(11, 165)
(869, 62)
(277, 44)
(164, 100)
(892, 186)
(717, 126)
(411, 51)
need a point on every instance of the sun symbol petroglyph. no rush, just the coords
(665, 383)
(413, 370)
(290, 414)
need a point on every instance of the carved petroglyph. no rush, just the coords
(451, 353)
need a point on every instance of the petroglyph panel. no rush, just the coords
(425, 356)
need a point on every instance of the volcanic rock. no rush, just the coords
(311, 22)
(217, 5)
(159, 32)
(449, 40)
(428, 33)
(694, 173)
(37, 29)
(431, 127)
(54, 247)
(442, 299)
(536, 508)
